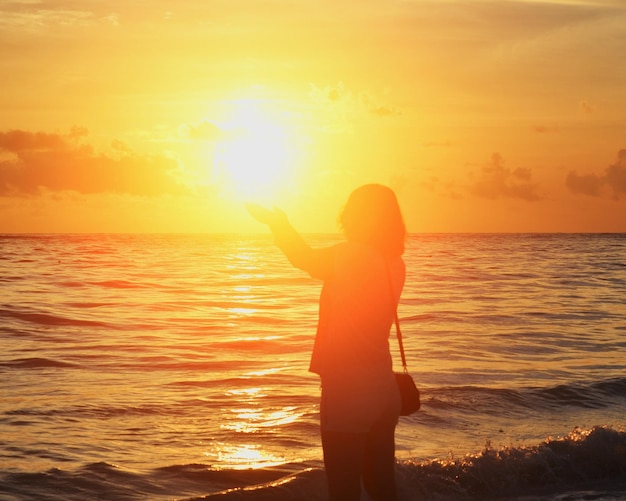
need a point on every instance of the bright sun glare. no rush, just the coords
(254, 159)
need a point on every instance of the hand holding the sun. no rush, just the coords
(270, 217)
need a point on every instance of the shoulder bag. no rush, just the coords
(409, 394)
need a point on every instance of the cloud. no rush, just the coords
(58, 162)
(545, 129)
(202, 130)
(446, 189)
(589, 184)
(338, 97)
(616, 175)
(384, 111)
(497, 181)
(594, 185)
(586, 107)
(16, 141)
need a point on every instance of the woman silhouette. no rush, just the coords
(363, 278)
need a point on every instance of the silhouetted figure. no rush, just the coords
(363, 278)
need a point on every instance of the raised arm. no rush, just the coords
(316, 262)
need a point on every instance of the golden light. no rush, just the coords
(255, 158)
(252, 419)
(246, 456)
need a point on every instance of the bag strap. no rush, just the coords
(399, 336)
(396, 319)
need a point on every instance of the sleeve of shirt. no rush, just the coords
(316, 262)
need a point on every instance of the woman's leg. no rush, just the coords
(379, 476)
(343, 462)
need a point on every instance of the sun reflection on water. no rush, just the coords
(250, 420)
(243, 311)
(265, 372)
(245, 456)
(254, 420)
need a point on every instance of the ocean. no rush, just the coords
(174, 367)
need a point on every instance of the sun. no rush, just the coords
(255, 158)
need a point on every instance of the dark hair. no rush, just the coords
(372, 216)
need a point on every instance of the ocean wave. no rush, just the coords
(557, 465)
(48, 319)
(309, 485)
(36, 363)
(120, 284)
(586, 464)
(199, 476)
(574, 463)
(97, 481)
(97, 411)
(474, 399)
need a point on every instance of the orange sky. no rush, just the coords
(484, 116)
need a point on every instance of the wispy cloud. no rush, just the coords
(340, 107)
(586, 107)
(32, 16)
(497, 181)
(32, 161)
(613, 180)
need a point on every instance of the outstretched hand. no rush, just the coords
(264, 215)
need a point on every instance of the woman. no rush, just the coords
(363, 278)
